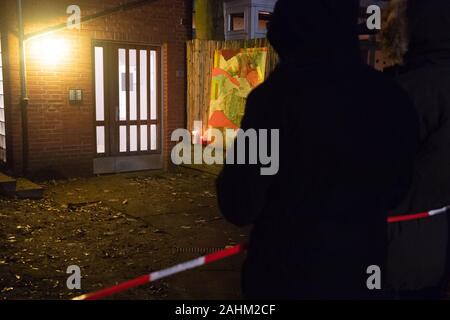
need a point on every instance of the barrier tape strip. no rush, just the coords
(220, 255)
(164, 273)
(417, 216)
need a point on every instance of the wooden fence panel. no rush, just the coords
(200, 59)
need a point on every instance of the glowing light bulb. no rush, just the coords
(50, 51)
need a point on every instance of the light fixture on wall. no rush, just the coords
(49, 50)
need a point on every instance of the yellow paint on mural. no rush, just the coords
(236, 73)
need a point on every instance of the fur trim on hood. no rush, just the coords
(394, 34)
(416, 30)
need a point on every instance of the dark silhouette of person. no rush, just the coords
(416, 36)
(347, 137)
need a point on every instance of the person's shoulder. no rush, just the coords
(391, 71)
(260, 94)
(433, 76)
(267, 88)
(386, 95)
(381, 84)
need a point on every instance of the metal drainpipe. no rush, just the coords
(23, 90)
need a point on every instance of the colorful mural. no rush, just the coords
(235, 74)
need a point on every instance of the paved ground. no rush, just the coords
(115, 228)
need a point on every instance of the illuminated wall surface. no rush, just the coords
(2, 112)
(112, 118)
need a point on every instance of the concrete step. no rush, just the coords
(25, 189)
(7, 184)
(21, 188)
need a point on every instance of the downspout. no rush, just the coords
(23, 90)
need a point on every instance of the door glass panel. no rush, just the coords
(153, 85)
(123, 139)
(133, 138)
(122, 85)
(133, 88)
(143, 84)
(2, 113)
(144, 138)
(99, 85)
(101, 139)
(153, 137)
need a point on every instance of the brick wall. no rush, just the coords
(61, 135)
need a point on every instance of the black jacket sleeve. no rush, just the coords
(241, 188)
(431, 177)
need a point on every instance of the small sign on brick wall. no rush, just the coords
(75, 96)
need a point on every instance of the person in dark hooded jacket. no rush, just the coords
(417, 37)
(347, 137)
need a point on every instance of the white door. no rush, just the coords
(128, 107)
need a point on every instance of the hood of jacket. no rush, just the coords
(429, 31)
(302, 29)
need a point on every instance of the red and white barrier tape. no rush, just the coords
(417, 216)
(164, 273)
(104, 293)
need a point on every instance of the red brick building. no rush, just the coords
(103, 98)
